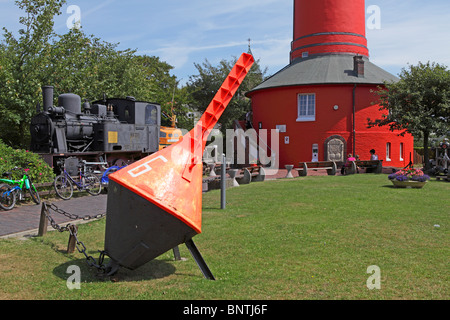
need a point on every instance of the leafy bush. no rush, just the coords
(39, 170)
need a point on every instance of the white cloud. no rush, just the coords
(273, 53)
(183, 32)
(411, 31)
(178, 56)
(207, 29)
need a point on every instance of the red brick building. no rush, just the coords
(322, 100)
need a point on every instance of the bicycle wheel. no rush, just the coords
(7, 198)
(63, 187)
(34, 193)
(92, 184)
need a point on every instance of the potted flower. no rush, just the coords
(409, 178)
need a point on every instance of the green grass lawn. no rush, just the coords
(302, 238)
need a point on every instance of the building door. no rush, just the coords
(335, 148)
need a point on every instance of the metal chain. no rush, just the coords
(89, 259)
(74, 216)
(74, 232)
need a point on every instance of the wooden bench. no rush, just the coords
(251, 174)
(443, 177)
(44, 189)
(243, 175)
(375, 166)
(330, 166)
(240, 176)
(47, 189)
(257, 172)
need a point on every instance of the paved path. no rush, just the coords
(24, 219)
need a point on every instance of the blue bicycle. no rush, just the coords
(85, 181)
(105, 179)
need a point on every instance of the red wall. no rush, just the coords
(278, 106)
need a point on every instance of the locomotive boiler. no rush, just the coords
(111, 130)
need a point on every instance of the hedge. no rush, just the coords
(38, 169)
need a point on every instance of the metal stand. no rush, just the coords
(223, 184)
(199, 259)
(176, 253)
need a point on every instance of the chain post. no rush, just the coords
(73, 238)
(73, 229)
(43, 222)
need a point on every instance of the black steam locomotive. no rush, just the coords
(115, 131)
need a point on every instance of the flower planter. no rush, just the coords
(408, 184)
(409, 178)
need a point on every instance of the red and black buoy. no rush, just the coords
(155, 204)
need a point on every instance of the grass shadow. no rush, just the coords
(155, 269)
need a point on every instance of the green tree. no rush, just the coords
(89, 67)
(203, 87)
(419, 103)
(73, 62)
(163, 88)
(21, 61)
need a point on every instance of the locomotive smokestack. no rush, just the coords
(47, 95)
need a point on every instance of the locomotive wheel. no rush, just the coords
(63, 187)
(93, 185)
(119, 162)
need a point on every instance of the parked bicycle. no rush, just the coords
(85, 181)
(11, 189)
(105, 179)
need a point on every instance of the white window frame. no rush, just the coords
(402, 150)
(309, 116)
(388, 151)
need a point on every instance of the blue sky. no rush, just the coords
(184, 32)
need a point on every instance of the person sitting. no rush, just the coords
(248, 120)
(347, 164)
(373, 156)
(357, 168)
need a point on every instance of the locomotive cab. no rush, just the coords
(137, 130)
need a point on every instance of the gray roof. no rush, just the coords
(325, 69)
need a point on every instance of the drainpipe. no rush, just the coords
(358, 70)
(354, 124)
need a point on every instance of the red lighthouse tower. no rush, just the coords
(324, 97)
(329, 27)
